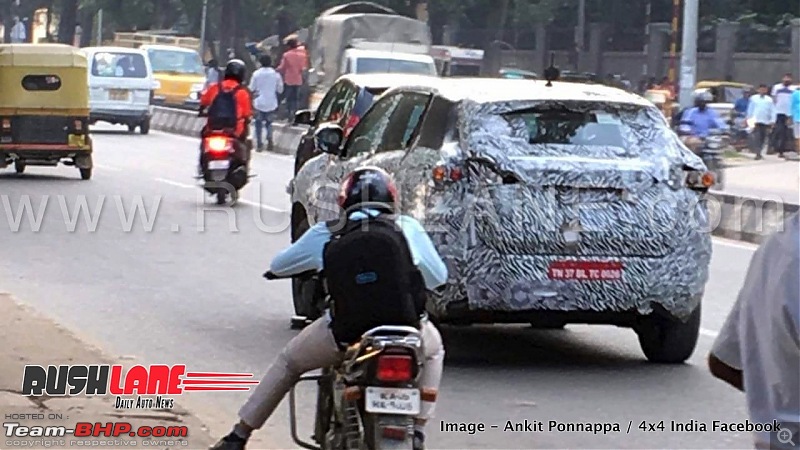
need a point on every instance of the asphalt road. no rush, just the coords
(176, 294)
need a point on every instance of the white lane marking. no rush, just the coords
(246, 202)
(735, 244)
(709, 333)
(104, 167)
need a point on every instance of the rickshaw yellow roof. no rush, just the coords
(711, 83)
(41, 55)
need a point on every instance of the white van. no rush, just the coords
(121, 87)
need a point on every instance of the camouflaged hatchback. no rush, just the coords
(559, 204)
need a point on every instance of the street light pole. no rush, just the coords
(203, 30)
(691, 21)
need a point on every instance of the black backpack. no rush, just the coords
(222, 114)
(371, 278)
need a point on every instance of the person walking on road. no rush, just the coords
(266, 84)
(758, 349)
(292, 66)
(761, 115)
(782, 94)
(19, 34)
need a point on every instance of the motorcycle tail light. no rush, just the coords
(395, 368)
(218, 144)
(700, 180)
(394, 433)
(442, 173)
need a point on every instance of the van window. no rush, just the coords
(176, 61)
(41, 83)
(122, 65)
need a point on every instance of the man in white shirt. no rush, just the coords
(758, 348)
(781, 134)
(266, 84)
(18, 32)
(761, 117)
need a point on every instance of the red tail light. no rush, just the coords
(219, 144)
(394, 368)
(394, 433)
(442, 173)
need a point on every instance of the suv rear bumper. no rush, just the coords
(119, 116)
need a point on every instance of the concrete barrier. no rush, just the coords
(748, 219)
(285, 137)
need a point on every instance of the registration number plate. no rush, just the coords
(585, 270)
(118, 94)
(392, 401)
(219, 165)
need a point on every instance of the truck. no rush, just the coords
(363, 37)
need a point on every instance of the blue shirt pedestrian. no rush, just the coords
(741, 105)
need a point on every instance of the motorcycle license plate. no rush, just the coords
(392, 401)
(219, 165)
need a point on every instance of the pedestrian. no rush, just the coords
(266, 84)
(782, 95)
(758, 349)
(212, 72)
(19, 34)
(293, 63)
(796, 118)
(761, 115)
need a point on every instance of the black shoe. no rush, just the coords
(419, 440)
(229, 442)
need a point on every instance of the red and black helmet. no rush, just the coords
(368, 187)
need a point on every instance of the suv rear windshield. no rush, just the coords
(580, 125)
(119, 65)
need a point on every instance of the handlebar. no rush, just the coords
(269, 275)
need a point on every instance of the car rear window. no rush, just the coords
(582, 124)
(119, 65)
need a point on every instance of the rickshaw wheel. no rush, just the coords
(19, 166)
(86, 174)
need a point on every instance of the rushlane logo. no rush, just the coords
(154, 380)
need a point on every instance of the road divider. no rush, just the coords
(747, 219)
(285, 137)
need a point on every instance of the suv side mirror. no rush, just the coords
(303, 117)
(329, 138)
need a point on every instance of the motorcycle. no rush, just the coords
(223, 174)
(740, 132)
(370, 400)
(710, 151)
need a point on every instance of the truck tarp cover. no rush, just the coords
(333, 32)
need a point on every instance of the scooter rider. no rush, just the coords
(696, 123)
(367, 195)
(228, 106)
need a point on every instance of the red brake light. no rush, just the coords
(394, 368)
(218, 144)
(442, 173)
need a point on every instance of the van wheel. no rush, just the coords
(144, 127)
(86, 174)
(668, 340)
(131, 128)
(19, 166)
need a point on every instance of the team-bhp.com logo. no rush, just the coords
(154, 380)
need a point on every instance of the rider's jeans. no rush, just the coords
(315, 348)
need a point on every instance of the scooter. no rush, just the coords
(710, 151)
(223, 175)
(370, 400)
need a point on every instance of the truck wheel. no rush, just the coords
(144, 127)
(670, 341)
(86, 174)
(19, 166)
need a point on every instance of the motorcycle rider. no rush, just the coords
(366, 193)
(696, 123)
(229, 105)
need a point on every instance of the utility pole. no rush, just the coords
(100, 27)
(203, 30)
(580, 32)
(691, 21)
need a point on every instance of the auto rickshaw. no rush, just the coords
(44, 107)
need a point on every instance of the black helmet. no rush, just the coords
(369, 187)
(235, 69)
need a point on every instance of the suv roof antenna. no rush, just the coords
(552, 73)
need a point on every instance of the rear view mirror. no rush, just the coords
(329, 138)
(303, 117)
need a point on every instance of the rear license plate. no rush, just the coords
(219, 165)
(585, 270)
(76, 140)
(118, 94)
(392, 401)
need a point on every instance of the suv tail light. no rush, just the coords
(443, 173)
(394, 368)
(700, 180)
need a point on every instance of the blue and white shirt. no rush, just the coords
(306, 253)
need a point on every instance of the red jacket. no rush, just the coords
(244, 103)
